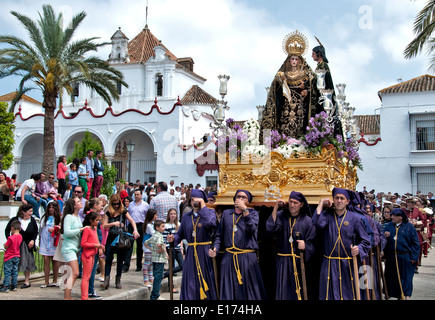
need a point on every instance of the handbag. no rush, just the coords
(124, 239)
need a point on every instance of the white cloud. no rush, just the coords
(239, 39)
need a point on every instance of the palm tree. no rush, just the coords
(54, 63)
(424, 27)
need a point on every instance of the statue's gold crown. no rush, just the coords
(295, 43)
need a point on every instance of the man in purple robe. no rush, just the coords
(401, 255)
(294, 232)
(344, 237)
(237, 232)
(198, 282)
(359, 205)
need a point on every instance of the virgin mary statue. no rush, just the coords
(293, 97)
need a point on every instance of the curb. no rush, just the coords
(142, 293)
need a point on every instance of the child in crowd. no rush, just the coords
(48, 241)
(90, 246)
(159, 257)
(148, 231)
(73, 177)
(52, 193)
(83, 175)
(172, 226)
(68, 192)
(104, 234)
(95, 205)
(12, 258)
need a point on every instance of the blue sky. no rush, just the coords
(364, 40)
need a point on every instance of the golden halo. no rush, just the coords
(295, 43)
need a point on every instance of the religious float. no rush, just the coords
(304, 140)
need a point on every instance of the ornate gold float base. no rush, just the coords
(314, 176)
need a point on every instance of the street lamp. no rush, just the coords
(130, 149)
(219, 109)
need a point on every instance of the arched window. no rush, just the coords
(159, 85)
(119, 87)
(75, 93)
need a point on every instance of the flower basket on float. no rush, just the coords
(313, 165)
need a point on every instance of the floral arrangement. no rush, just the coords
(242, 142)
(320, 134)
(233, 139)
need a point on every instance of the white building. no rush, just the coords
(164, 112)
(399, 154)
(27, 105)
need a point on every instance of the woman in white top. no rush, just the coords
(48, 240)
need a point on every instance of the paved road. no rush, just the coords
(133, 289)
(424, 281)
(131, 281)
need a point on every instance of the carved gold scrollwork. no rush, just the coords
(320, 172)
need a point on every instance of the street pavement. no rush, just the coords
(131, 281)
(133, 288)
(424, 280)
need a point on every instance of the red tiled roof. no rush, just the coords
(369, 124)
(141, 48)
(419, 84)
(11, 96)
(197, 95)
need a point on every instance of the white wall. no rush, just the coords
(387, 164)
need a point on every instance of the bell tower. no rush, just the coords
(119, 52)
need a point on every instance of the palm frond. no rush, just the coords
(424, 26)
(71, 29)
(34, 32)
(17, 98)
(431, 63)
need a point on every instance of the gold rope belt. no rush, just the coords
(295, 270)
(339, 244)
(288, 255)
(235, 252)
(338, 258)
(194, 244)
(202, 284)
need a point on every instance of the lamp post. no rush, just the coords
(219, 109)
(130, 149)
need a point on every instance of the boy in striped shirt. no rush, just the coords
(159, 257)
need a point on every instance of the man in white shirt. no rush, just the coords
(26, 193)
(171, 185)
(137, 210)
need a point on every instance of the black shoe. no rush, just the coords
(94, 296)
(124, 270)
(138, 269)
(25, 286)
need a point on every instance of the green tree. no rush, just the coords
(424, 27)
(87, 143)
(54, 63)
(7, 140)
(90, 143)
